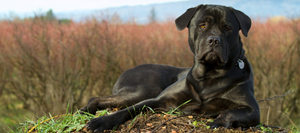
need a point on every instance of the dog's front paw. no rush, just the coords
(221, 121)
(91, 107)
(100, 124)
(215, 125)
(88, 109)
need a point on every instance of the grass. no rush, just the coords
(155, 121)
(60, 123)
(171, 112)
(171, 121)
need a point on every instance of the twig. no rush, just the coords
(272, 126)
(184, 124)
(268, 116)
(166, 122)
(193, 128)
(288, 92)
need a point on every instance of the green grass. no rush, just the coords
(61, 123)
(68, 122)
(172, 111)
(265, 129)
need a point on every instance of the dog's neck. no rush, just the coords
(239, 50)
(201, 71)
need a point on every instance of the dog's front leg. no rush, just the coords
(239, 117)
(108, 122)
(117, 100)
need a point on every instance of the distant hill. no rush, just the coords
(254, 8)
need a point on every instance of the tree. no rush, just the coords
(153, 17)
(50, 16)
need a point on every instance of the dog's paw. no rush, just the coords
(219, 122)
(98, 125)
(87, 109)
(215, 125)
(84, 110)
(90, 108)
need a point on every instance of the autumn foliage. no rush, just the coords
(46, 65)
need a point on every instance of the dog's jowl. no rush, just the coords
(218, 85)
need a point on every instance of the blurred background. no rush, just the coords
(55, 53)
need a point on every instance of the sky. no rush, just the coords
(29, 6)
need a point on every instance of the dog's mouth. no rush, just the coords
(211, 57)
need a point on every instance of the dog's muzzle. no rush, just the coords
(213, 52)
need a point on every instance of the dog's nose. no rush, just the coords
(213, 40)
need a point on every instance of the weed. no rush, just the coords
(201, 124)
(130, 125)
(195, 123)
(295, 130)
(66, 122)
(264, 129)
(171, 112)
(102, 113)
(151, 109)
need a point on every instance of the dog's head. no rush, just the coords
(214, 32)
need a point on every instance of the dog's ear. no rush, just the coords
(244, 21)
(184, 20)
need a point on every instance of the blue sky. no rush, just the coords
(29, 6)
(79, 10)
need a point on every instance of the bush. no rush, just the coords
(274, 51)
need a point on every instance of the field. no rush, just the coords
(44, 66)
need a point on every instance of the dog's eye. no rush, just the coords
(227, 29)
(202, 26)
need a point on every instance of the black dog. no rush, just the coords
(219, 84)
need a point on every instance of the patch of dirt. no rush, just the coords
(165, 123)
